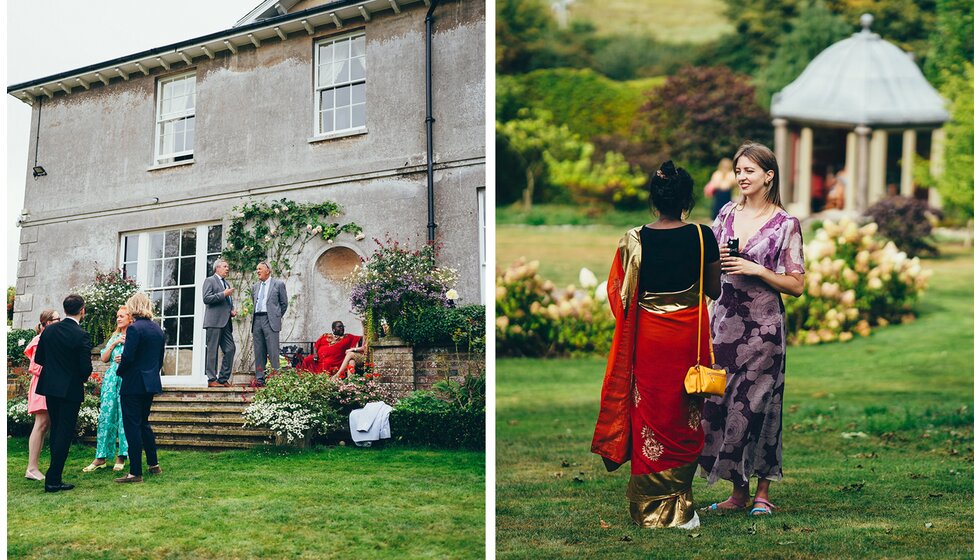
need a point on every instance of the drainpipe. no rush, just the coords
(429, 120)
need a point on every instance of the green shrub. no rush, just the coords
(815, 29)
(587, 102)
(462, 328)
(17, 340)
(626, 57)
(423, 419)
(11, 294)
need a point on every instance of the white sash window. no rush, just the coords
(340, 87)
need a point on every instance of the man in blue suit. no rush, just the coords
(64, 351)
(139, 368)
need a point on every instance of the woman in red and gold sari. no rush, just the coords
(646, 417)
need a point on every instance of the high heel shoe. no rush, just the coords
(93, 467)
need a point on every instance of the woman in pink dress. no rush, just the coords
(35, 403)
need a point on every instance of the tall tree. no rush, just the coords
(815, 29)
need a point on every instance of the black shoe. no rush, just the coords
(58, 487)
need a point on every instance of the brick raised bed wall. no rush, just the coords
(406, 369)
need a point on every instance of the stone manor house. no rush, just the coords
(140, 160)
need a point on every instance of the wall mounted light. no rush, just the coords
(39, 171)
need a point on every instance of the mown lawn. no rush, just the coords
(899, 484)
(336, 502)
(671, 21)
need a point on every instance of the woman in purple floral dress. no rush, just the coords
(743, 428)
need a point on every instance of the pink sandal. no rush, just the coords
(731, 500)
(766, 508)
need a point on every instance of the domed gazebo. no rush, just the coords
(863, 106)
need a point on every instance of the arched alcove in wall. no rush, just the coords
(332, 297)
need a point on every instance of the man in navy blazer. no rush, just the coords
(139, 368)
(64, 352)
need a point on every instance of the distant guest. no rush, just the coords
(330, 350)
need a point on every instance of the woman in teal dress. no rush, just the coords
(110, 414)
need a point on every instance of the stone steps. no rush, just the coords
(205, 418)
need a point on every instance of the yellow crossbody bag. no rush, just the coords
(700, 380)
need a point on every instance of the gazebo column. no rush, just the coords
(781, 148)
(804, 170)
(861, 169)
(850, 166)
(876, 169)
(908, 163)
(936, 167)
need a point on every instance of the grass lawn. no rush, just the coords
(670, 21)
(336, 502)
(900, 486)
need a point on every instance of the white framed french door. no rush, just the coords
(170, 264)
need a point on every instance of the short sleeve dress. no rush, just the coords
(35, 403)
(743, 428)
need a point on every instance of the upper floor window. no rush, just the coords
(339, 85)
(176, 97)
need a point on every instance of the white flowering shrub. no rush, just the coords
(854, 280)
(536, 318)
(19, 422)
(287, 420)
(88, 418)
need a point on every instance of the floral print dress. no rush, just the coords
(743, 428)
(110, 411)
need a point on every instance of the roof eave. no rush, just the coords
(337, 14)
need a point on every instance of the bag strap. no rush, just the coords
(701, 298)
(700, 289)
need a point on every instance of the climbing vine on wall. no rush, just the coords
(276, 232)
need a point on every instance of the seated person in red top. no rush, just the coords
(330, 350)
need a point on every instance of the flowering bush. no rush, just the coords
(356, 391)
(102, 300)
(534, 318)
(19, 422)
(396, 282)
(293, 402)
(17, 340)
(854, 280)
(88, 416)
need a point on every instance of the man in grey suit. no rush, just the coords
(218, 311)
(269, 300)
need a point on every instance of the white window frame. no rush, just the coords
(197, 376)
(318, 132)
(161, 157)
